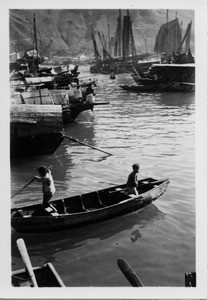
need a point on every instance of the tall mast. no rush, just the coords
(36, 44)
(119, 35)
(125, 44)
(96, 52)
(145, 39)
(109, 46)
(176, 38)
(166, 42)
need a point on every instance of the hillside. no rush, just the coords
(68, 32)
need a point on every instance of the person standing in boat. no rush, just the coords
(48, 187)
(132, 182)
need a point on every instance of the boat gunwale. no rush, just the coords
(90, 211)
(47, 266)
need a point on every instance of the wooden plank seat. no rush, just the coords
(92, 200)
(60, 206)
(112, 197)
(74, 204)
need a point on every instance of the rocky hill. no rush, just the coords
(68, 32)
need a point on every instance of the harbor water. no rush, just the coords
(155, 130)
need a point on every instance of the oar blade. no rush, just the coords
(129, 273)
(25, 257)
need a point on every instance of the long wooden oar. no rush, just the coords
(75, 140)
(22, 188)
(129, 273)
(25, 257)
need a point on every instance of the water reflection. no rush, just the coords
(135, 236)
(48, 244)
(181, 100)
(83, 129)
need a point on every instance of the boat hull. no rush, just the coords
(42, 144)
(46, 276)
(35, 129)
(169, 78)
(138, 88)
(125, 204)
(76, 109)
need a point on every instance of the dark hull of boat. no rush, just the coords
(42, 144)
(75, 110)
(138, 88)
(35, 129)
(177, 87)
(46, 276)
(94, 207)
(172, 87)
(70, 114)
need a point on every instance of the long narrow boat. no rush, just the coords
(163, 87)
(46, 276)
(138, 88)
(87, 208)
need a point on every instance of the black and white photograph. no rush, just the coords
(104, 136)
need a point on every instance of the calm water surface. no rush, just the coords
(155, 130)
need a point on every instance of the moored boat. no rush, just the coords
(74, 100)
(35, 129)
(46, 276)
(81, 210)
(138, 88)
(168, 77)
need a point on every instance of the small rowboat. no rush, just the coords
(46, 276)
(139, 88)
(34, 277)
(87, 208)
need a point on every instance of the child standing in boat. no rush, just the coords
(48, 187)
(132, 182)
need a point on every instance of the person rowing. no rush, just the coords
(48, 186)
(132, 181)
